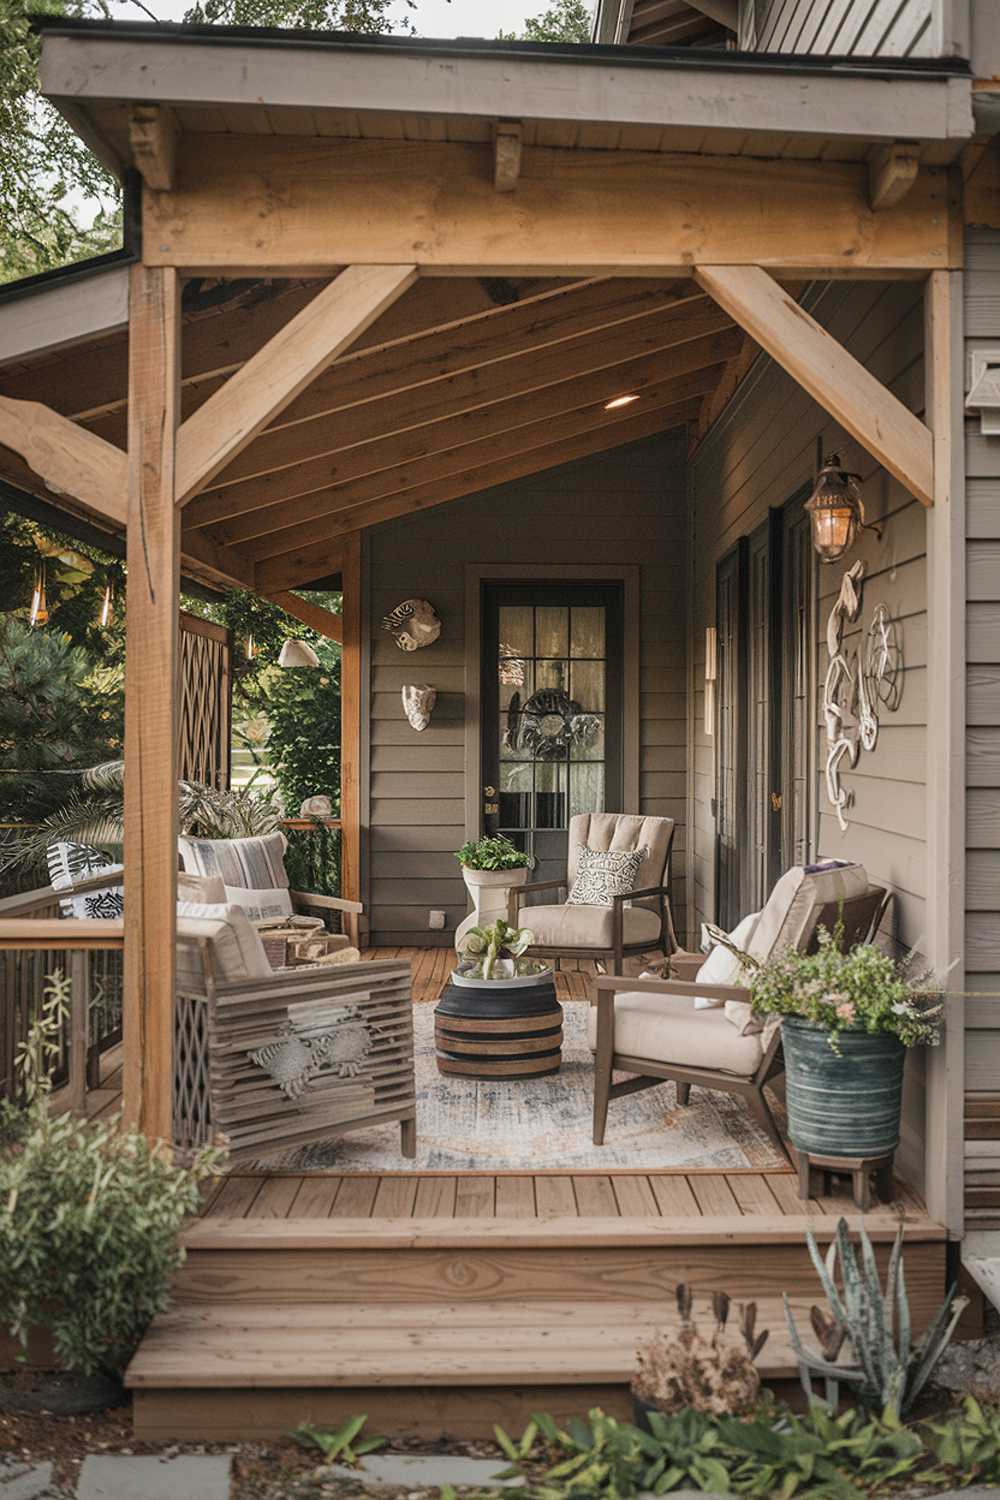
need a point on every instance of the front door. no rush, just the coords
(552, 696)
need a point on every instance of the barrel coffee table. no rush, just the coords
(508, 1028)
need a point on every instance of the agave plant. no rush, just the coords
(95, 814)
(888, 1370)
(488, 944)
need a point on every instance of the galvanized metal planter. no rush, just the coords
(847, 1104)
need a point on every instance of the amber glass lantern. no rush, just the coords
(835, 510)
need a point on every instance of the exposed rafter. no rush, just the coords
(66, 457)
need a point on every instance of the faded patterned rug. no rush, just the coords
(544, 1124)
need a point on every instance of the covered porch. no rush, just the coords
(388, 345)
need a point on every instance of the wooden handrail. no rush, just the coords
(303, 823)
(38, 933)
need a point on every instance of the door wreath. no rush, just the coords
(528, 724)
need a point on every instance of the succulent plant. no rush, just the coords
(887, 1370)
(488, 944)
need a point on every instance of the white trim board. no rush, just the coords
(59, 314)
(78, 70)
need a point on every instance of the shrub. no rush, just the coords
(89, 1218)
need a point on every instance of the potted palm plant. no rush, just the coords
(847, 1020)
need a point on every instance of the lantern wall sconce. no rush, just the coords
(711, 672)
(836, 511)
(984, 389)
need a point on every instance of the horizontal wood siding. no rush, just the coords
(982, 896)
(842, 28)
(625, 507)
(759, 453)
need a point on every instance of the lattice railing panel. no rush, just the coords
(205, 719)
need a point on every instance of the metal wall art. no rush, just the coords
(860, 684)
(414, 623)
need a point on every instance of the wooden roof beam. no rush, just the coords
(279, 206)
(506, 155)
(293, 569)
(322, 621)
(66, 457)
(854, 398)
(275, 375)
(892, 171)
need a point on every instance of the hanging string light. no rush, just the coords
(106, 613)
(39, 612)
(251, 648)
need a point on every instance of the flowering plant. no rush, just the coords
(864, 989)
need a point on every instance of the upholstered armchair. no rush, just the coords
(698, 1029)
(590, 923)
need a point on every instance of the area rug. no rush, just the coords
(544, 1124)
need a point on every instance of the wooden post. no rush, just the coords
(151, 694)
(350, 725)
(943, 355)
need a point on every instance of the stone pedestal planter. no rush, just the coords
(488, 893)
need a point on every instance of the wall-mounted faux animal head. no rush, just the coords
(418, 704)
(414, 623)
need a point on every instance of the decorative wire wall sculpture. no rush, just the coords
(861, 683)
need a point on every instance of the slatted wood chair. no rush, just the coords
(276, 1060)
(650, 1029)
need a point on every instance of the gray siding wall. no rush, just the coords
(627, 506)
(762, 449)
(982, 897)
(865, 28)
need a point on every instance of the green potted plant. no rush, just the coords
(847, 1020)
(490, 867)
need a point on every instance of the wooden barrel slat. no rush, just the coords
(499, 1031)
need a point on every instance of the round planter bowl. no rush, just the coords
(503, 979)
(847, 1104)
(495, 879)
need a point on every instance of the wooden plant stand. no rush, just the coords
(858, 1168)
(499, 1031)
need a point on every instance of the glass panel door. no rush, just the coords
(551, 695)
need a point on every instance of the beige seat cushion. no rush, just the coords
(236, 951)
(587, 926)
(206, 890)
(789, 917)
(668, 1029)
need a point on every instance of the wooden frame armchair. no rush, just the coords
(705, 1047)
(561, 923)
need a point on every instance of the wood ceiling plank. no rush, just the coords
(261, 533)
(276, 374)
(282, 205)
(293, 569)
(879, 421)
(258, 504)
(298, 459)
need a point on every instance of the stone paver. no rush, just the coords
(20, 1481)
(422, 1470)
(118, 1477)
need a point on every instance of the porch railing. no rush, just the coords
(35, 942)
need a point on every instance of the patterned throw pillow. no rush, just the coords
(252, 871)
(69, 862)
(604, 873)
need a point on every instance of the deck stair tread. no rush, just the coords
(218, 1233)
(402, 1344)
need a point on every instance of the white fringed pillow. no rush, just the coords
(723, 967)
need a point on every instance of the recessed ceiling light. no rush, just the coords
(617, 401)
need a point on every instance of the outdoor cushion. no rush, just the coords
(235, 947)
(789, 917)
(587, 926)
(252, 871)
(206, 889)
(602, 874)
(723, 967)
(667, 1029)
(69, 862)
(623, 831)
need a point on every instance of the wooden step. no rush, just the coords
(445, 1261)
(257, 1370)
